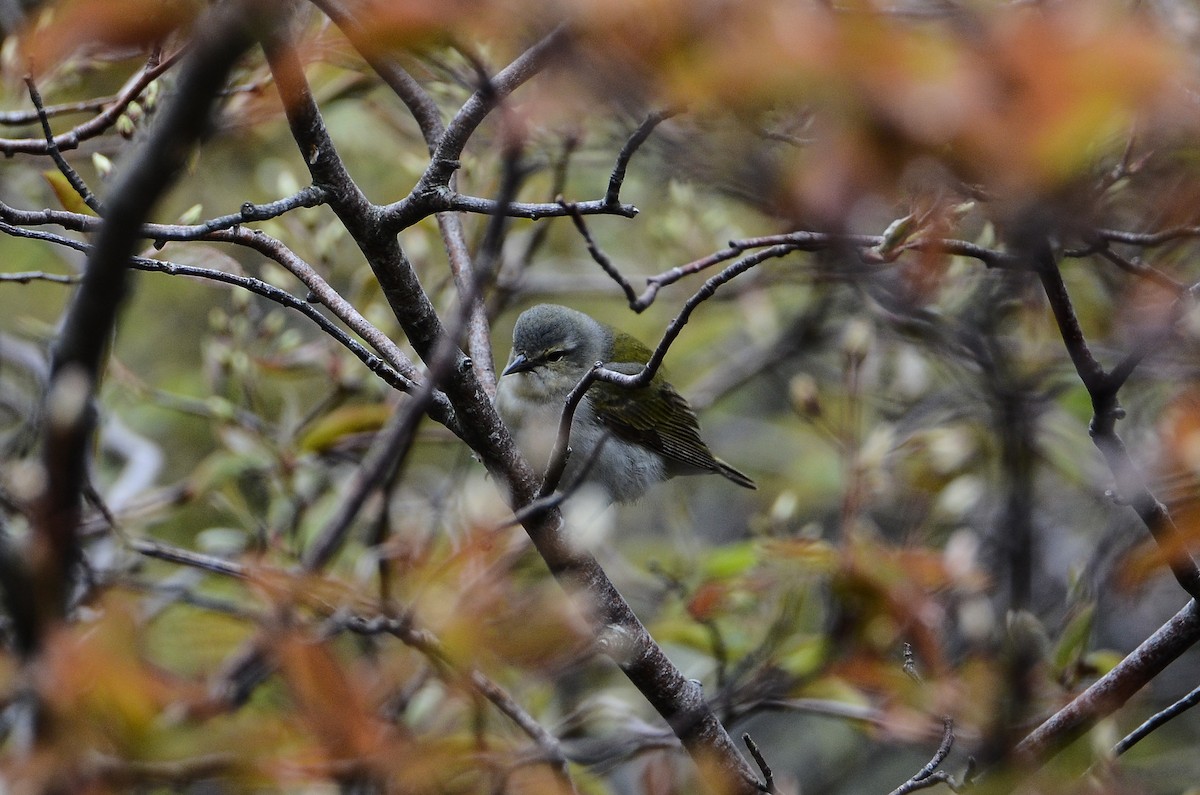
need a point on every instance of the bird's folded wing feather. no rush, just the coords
(655, 416)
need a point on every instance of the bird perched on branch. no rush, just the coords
(626, 439)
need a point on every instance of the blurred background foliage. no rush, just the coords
(875, 399)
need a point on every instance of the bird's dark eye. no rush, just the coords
(555, 356)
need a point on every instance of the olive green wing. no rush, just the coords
(654, 416)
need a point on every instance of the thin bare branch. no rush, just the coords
(422, 106)
(1111, 691)
(612, 196)
(99, 123)
(25, 277)
(380, 367)
(1156, 721)
(927, 776)
(444, 161)
(600, 257)
(768, 782)
(161, 233)
(185, 557)
(1130, 485)
(675, 327)
(64, 167)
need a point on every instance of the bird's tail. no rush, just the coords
(737, 477)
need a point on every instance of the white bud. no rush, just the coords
(784, 507)
(191, 215)
(949, 449)
(102, 164)
(960, 496)
(68, 397)
(875, 449)
(805, 399)
(961, 554)
(857, 339)
(25, 480)
(976, 619)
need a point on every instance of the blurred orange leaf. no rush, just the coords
(336, 710)
(115, 24)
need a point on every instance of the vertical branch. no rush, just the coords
(82, 347)
(1016, 420)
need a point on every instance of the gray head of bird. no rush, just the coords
(554, 346)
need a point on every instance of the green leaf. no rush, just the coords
(1072, 643)
(342, 422)
(730, 561)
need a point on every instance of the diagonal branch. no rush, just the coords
(64, 167)
(1111, 691)
(1131, 488)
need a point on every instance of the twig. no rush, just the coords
(419, 102)
(19, 118)
(1156, 721)
(612, 196)
(64, 167)
(675, 327)
(185, 557)
(929, 775)
(910, 663)
(1143, 270)
(375, 364)
(768, 782)
(558, 456)
(102, 121)
(1147, 239)
(345, 311)
(433, 187)
(25, 277)
(555, 498)
(444, 160)
(600, 257)
(311, 196)
(819, 241)
(418, 206)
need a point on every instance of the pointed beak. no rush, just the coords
(519, 364)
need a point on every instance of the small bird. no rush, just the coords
(649, 434)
